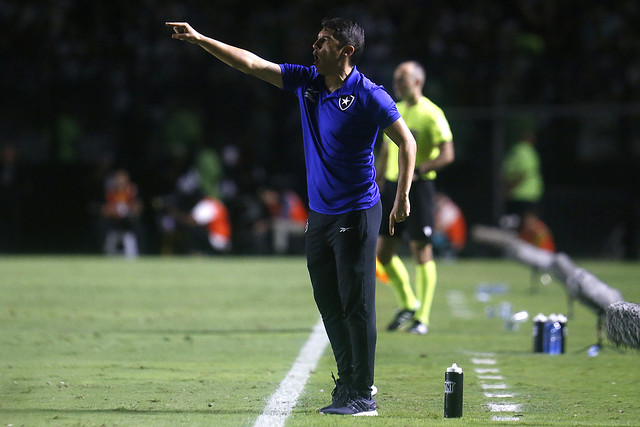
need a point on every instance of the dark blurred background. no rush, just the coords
(92, 86)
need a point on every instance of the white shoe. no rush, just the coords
(418, 328)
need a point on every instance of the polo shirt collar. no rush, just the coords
(349, 86)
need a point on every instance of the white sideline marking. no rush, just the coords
(497, 418)
(284, 399)
(493, 386)
(483, 361)
(503, 407)
(486, 373)
(487, 370)
(498, 395)
(478, 354)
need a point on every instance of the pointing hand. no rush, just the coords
(183, 31)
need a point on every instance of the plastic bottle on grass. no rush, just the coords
(453, 380)
(539, 322)
(562, 319)
(555, 338)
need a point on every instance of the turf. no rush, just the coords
(206, 341)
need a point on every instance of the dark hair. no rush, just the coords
(347, 32)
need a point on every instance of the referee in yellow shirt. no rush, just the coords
(433, 136)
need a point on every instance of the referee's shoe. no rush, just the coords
(401, 318)
(418, 328)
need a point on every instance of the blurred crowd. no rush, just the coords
(101, 87)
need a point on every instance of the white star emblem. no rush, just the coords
(346, 101)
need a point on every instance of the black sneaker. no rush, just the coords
(402, 318)
(339, 395)
(356, 406)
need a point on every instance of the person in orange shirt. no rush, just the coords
(533, 230)
(121, 213)
(287, 216)
(213, 214)
(450, 224)
(205, 227)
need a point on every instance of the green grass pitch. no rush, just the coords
(205, 341)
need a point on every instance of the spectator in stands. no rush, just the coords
(191, 221)
(536, 232)
(121, 215)
(450, 228)
(287, 216)
(206, 227)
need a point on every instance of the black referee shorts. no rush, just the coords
(419, 225)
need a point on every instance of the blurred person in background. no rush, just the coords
(450, 231)
(435, 151)
(191, 221)
(286, 217)
(210, 169)
(523, 188)
(120, 214)
(206, 226)
(534, 231)
(12, 182)
(522, 176)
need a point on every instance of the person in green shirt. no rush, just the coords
(435, 150)
(522, 177)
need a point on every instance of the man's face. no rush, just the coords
(326, 52)
(403, 81)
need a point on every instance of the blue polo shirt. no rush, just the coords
(339, 132)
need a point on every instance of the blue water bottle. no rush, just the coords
(555, 337)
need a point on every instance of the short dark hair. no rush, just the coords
(347, 32)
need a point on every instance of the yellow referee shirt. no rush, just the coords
(429, 127)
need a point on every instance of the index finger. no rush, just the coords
(391, 225)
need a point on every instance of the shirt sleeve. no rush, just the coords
(441, 132)
(295, 76)
(383, 107)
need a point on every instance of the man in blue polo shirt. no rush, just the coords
(341, 113)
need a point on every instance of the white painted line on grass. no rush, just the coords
(492, 374)
(487, 370)
(284, 399)
(493, 386)
(483, 361)
(498, 395)
(503, 407)
(479, 354)
(498, 418)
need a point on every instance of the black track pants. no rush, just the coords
(341, 258)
